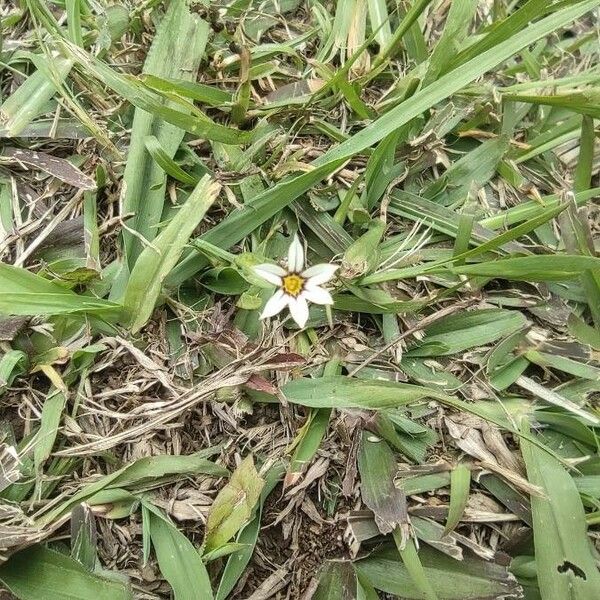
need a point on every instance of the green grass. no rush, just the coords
(159, 440)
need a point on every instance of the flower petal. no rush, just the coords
(317, 295)
(276, 303)
(295, 256)
(270, 273)
(299, 310)
(318, 274)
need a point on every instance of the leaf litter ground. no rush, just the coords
(433, 435)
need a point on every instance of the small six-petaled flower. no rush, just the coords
(296, 285)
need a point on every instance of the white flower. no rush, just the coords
(297, 285)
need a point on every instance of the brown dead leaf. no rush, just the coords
(57, 167)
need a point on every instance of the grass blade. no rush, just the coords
(171, 55)
(460, 483)
(243, 221)
(145, 282)
(30, 99)
(142, 471)
(532, 268)
(410, 558)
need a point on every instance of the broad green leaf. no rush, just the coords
(156, 261)
(469, 579)
(461, 331)
(24, 293)
(566, 564)
(178, 560)
(337, 581)
(377, 468)
(345, 392)
(247, 537)
(233, 506)
(39, 572)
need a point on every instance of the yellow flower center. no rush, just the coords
(293, 284)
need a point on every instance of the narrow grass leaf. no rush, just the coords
(192, 120)
(460, 483)
(583, 332)
(554, 398)
(84, 537)
(143, 471)
(156, 261)
(410, 558)
(547, 267)
(52, 411)
(493, 244)
(176, 51)
(585, 102)
(585, 160)
(469, 579)
(307, 442)
(12, 364)
(30, 99)
(456, 28)
(207, 94)
(166, 163)
(337, 581)
(460, 332)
